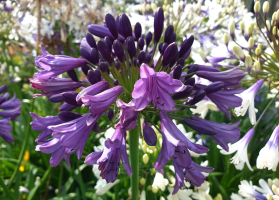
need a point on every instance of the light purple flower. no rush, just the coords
(5, 129)
(109, 159)
(53, 86)
(156, 87)
(74, 134)
(42, 123)
(50, 66)
(220, 133)
(172, 138)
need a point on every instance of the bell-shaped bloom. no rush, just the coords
(58, 152)
(231, 77)
(11, 113)
(240, 148)
(156, 87)
(192, 174)
(172, 139)
(160, 181)
(50, 87)
(100, 102)
(269, 155)
(220, 133)
(109, 159)
(128, 118)
(248, 97)
(226, 99)
(42, 123)
(5, 129)
(50, 66)
(74, 134)
(248, 191)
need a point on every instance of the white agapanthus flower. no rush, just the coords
(248, 97)
(202, 192)
(160, 181)
(269, 154)
(180, 195)
(240, 148)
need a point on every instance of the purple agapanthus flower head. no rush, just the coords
(109, 159)
(9, 109)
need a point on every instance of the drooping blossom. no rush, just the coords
(240, 147)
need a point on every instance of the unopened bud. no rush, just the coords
(269, 197)
(149, 134)
(251, 43)
(212, 106)
(144, 148)
(277, 16)
(237, 51)
(250, 30)
(257, 8)
(265, 8)
(218, 197)
(258, 51)
(142, 181)
(248, 63)
(149, 187)
(155, 189)
(242, 26)
(274, 189)
(226, 39)
(145, 159)
(257, 67)
(202, 55)
(232, 28)
(268, 24)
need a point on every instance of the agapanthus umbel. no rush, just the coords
(9, 110)
(124, 81)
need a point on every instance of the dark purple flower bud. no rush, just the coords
(147, 58)
(164, 47)
(67, 116)
(135, 62)
(101, 31)
(190, 81)
(186, 45)
(90, 54)
(125, 25)
(198, 97)
(118, 49)
(115, 82)
(130, 45)
(98, 75)
(141, 43)
(3, 88)
(168, 34)
(108, 42)
(67, 107)
(160, 46)
(149, 134)
(158, 24)
(174, 60)
(111, 24)
(104, 51)
(104, 66)
(110, 114)
(85, 69)
(91, 76)
(187, 54)
(96, 128)
(177, 72)
(183, 94)
(94, 56)
(148, 38)
(152, 65)
(70, 97)
(169, 54)
(137, 30)
(141, 57)
(91, 41)
(181, 62)
(72, 74)
(56, 98)
(117, 65)
(193, 68)
(214, 87)
(173, 38)
(142, 36)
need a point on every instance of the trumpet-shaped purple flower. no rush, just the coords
(172, 138)
(53, 86)
(74, 134)
(109, 159)
(42, 123)
(5, 129)
(128, 115)
(51, 66)
(58, 152)
(191, 173)
(231, 77)
(156, 87)
(220, 133)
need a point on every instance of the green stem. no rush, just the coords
(7, 191)
(134, 160)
